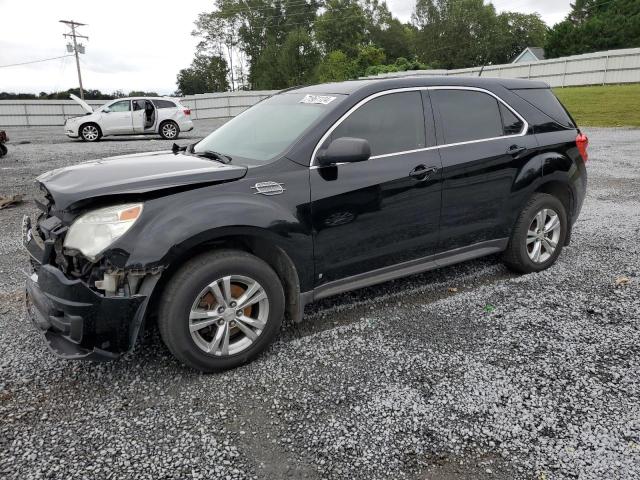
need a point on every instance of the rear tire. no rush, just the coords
(3, 150)
(90, 132)
(169, 130)
(205, 319)
(538, 236)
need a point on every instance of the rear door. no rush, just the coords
(380, 212)
(483, 144)
(145, 115)
(118, 119)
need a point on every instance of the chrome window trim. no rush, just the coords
(346, 115)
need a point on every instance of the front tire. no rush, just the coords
(3, 150)
(221, 310)
(169, 130)
(538, 236)
(90, 132)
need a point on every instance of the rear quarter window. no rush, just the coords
(544, 100)
(164, 104)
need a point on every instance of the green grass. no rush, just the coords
(602, 106)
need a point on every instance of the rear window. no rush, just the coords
(545, 101)
(468, 115)
(164, 104)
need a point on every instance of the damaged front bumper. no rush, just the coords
(76, 321)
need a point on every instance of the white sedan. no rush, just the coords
(130, 116)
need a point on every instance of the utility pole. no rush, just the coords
(77, 49)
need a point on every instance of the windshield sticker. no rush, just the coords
(321, 99)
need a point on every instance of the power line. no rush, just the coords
(34, 61)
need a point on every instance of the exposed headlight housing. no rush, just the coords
(94, 231)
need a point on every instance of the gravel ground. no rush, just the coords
(509, 377)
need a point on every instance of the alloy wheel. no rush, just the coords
(169, 130)
(228, 315)
(543, 235)
(90, 133)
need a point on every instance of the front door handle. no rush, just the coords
(515, 149)
(422, 172)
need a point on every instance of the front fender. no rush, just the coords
(173, 225)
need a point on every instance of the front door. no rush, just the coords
(117, 120)
(385, 210)
(483, 146)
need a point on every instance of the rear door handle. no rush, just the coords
(515, 149)
(422, 172)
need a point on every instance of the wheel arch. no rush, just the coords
(167, 120)
(562, 191)
(251, 242)
(559, 189)
(91, 122)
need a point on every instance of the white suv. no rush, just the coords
(130, 116)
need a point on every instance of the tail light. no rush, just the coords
(187, 111)
(582, 142)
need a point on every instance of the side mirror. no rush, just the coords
(106, 110)
(345, 150)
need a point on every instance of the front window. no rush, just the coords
(391, 123)
(121, 106)
(269, 128)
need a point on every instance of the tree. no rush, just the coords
(396, 39)
(342, 27)
(206, 74)
(256, 27)
(266, 73)
(298, 58)
(515, 32)
(594, 25)
(142, 93)
(369, 56)
(468, 33)
(335, 67)
(454, 33)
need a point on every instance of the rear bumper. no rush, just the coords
(79, 323)
(580, 187)
(186, 126)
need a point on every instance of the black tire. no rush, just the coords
(169, 130)
(184, 288)
(3, 150)
(90, 132)
(517, 256)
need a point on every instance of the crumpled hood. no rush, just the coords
(129, 174)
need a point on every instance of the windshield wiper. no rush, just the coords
(221, 157)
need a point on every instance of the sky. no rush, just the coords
(134, 44)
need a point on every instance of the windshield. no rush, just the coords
(270, 127)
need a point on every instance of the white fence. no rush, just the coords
(613, 66)
(600, 68)
(222, 105)
(30, 113)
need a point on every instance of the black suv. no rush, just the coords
(311, 192)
